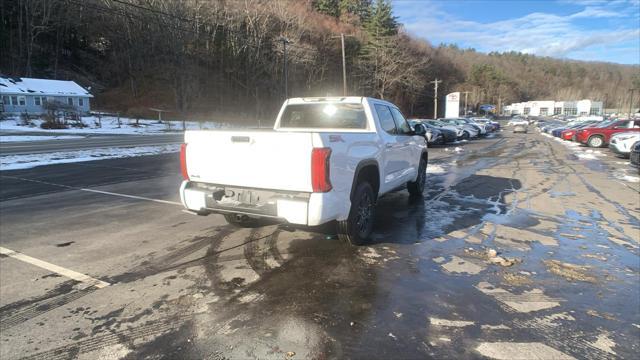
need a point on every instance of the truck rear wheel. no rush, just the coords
(358, 227)
(241, 220)
(417, 187)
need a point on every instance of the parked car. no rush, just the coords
(448, 135)
(634, 156)
(433, 135)
(326, 159)
(520, 128)
(482, 128)
(490, 124)
(468, 131)
(448, 127)
(599, 135)
(570, 132)
(621, 143)
(516, 120)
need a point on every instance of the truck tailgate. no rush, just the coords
(255, 159)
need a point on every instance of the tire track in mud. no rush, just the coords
(21, 311)
(168, 262)
(125, 337)
(619, 208)
(564, 339)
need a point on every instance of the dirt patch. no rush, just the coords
(515, 279)
(571, 272)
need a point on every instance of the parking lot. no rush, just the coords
(519, 249)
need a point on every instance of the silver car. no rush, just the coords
(520, 128)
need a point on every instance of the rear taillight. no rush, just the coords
(320, 181)
(183, 161)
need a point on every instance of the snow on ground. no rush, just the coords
(435, 169)
(14, 162)
(110, 126)
(13, 138)
(624, 176)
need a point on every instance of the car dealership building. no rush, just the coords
(551, 107)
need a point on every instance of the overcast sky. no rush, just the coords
(590, 30)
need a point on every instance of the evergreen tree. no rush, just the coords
(381, 22)
(359, 8)
(329, 7)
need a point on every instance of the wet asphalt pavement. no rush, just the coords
(520, 249)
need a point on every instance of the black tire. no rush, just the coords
(416, 188)
(466, 135)
(595, 141)
(357, 229)
(242, 221)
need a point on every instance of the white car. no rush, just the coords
(325, 159)
(621, 143)
(468, 130)
(518, 121)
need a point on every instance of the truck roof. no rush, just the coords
(343, 99)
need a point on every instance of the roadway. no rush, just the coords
(88, 142)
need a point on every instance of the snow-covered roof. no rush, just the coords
(31, 86)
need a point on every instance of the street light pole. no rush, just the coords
(435, 98)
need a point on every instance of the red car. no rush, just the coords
(599, 135)
(569, 133)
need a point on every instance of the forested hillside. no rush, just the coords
(222, 58)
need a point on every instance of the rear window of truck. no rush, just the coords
(324, 116)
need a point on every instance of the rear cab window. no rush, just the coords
(401, 123)
(386, 119)
(324, 116)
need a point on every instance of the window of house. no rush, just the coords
(22, 101)
(37, 100)
(571, 111)
(70, 101)
(14, 100)
(80, 102)
(5, 99)
(527, 111)
(557, 111)
(583, 113)
(594, 111)
(544, 111)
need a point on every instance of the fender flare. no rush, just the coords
(361, 165)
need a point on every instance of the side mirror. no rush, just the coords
(420, 129)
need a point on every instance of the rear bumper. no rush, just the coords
(293, 207)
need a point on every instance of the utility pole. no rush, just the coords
(499, 105)
(466, 93)
(435, 98)
(344, 64)
(285, 41)
(631, 101)
(344, 68)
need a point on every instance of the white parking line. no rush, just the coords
(55, 268)
(132, 196)
(96, 191)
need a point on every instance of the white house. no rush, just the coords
(20, 95)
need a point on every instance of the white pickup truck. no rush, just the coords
(325, 159)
